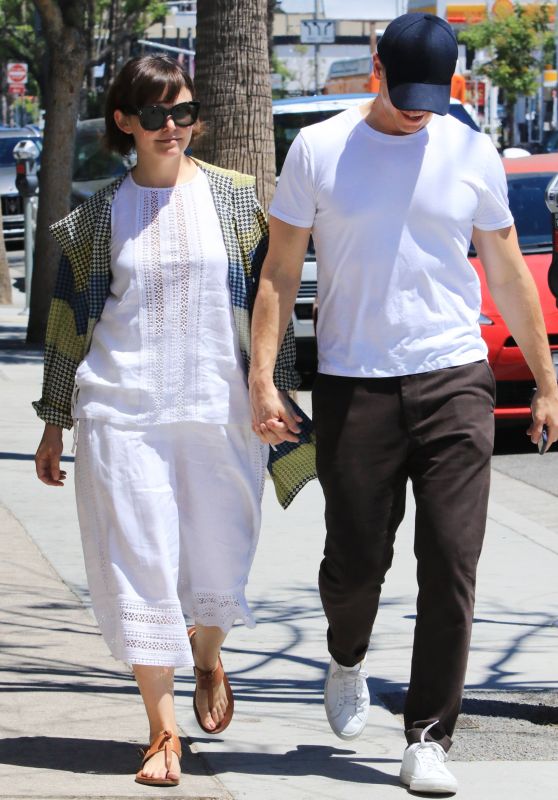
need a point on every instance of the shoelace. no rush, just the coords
(351, 686)
(430, 753)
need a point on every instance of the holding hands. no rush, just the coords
(273, 419)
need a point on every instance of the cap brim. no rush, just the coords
(421, 97)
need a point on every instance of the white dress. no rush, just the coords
(169, 475)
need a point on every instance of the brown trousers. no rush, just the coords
(373, 434)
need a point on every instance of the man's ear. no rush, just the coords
(122, 121)
(378, 68)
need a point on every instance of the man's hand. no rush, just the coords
(47, 458)
(544, 408)
(273, 419)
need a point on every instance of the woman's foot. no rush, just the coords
(211, 717)
(213, 699)
(161, 761)
(155, 768)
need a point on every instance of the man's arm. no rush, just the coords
(515, 293)
(272, 418)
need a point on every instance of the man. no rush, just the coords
(393, 192)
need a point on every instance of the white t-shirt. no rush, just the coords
(392, 218)
(165, 348)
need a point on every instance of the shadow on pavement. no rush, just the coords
(328, 762)
(95, 756)
(29, 457)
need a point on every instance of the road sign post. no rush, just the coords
(17, 77)
(317, 31)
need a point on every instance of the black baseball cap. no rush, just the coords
(419, 53)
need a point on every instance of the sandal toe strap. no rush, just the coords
(166, 741)
(207, 679)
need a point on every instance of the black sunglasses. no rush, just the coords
(153, 118)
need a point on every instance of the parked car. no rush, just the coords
(294, 113)
(94, 164)
(289, 116)
(549, 143)
(12, 202)
(527, 178)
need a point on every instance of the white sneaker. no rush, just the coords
(423, 768)
(346, 699)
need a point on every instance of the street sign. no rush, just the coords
(17, 72)
(317, 31)
(16, 88)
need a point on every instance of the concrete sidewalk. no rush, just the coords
(70, 714)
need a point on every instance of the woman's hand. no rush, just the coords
(273, 419)
(47, 457)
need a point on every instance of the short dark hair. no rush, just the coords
(141, 81)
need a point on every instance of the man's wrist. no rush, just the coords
(260, 380)
(548, 387)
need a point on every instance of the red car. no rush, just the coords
(528, 178)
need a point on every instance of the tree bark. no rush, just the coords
(233, 84)
(5, 281)
(67, 58)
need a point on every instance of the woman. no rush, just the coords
(147, 350)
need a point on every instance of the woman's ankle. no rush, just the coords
(155, 731)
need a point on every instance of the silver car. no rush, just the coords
(12, 202)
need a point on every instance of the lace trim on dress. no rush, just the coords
(171, 271)
(221, 610)
(152, 306)
(154, 634)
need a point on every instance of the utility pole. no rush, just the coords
(555, 93)
(316, 53)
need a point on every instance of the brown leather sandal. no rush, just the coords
(207, 681)
(168, 742)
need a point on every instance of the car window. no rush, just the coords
(92, 161)
(527, 204)
(7, 145)
(287, 127)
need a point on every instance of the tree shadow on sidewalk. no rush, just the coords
(333, 763)
(95, 756)
(14, 351)
(87, 756)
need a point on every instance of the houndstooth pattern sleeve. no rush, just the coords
(63, 351)
(285, 375)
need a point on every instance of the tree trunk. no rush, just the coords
(271, 6)
(5, 280)
(66, 71)
(506, 138)
(233, 84)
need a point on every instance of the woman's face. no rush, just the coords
(169, 141)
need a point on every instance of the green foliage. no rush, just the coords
(279, 68)
(20, 40)
(29, 109)
(521, 44)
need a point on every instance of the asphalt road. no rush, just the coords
(514, 455)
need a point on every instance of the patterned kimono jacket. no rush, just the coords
(83, 285)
